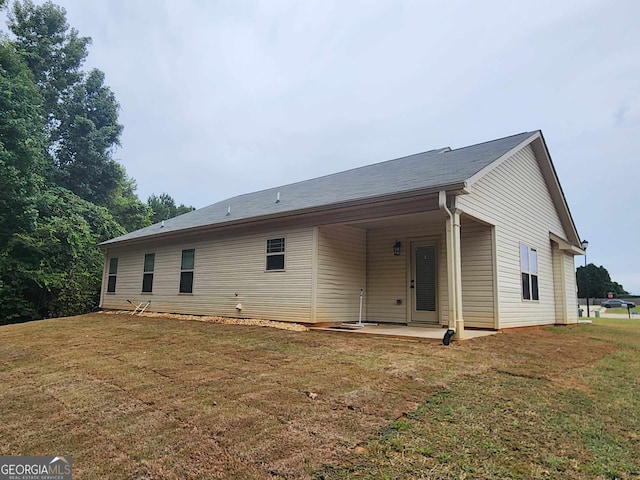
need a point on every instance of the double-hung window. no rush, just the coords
(275, 254)
(186, 270)
(113, 273)
(147, 276)
(529, 272)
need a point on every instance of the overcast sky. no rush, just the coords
(223, 98)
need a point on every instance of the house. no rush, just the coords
(479, 236)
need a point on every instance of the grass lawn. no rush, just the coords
(133, 397)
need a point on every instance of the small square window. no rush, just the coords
(186, 282)
(275, 245)
(275, 254)
(275, 262)
(147, 283)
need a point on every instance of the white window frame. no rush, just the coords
(187, 270)
(529, 268)
(149, 272)
(273, 251)
(114, 275)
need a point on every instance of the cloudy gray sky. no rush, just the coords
(226, 97)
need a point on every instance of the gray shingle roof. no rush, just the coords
(422, 171)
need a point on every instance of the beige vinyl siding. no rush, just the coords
(387, 273)
(571, 288)
(564, 275)
(225, 265)
(477, 274)
(514, 197)
(559, 283)
(341, 273)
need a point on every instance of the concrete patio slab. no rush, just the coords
(404, 331)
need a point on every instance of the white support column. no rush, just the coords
(457, 274)
(451, 280)
(454, 264)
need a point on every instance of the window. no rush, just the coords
(113, 273)
(529, 272)
(186, 271)
(147, 277)
(275, 254)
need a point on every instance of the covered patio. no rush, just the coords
(418, 271)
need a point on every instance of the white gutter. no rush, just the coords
(168, 231)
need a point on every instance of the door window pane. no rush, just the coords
(425, 282)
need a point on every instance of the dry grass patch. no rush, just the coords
(567, 406)
(146, 397)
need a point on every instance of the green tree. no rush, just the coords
(126, 207)
(55, 269)
(82, 112)
(85, 138)
(52, 50)
(164, 207)
(22, 144)
(61, 191)
(595, 282)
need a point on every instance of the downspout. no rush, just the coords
(442, 203)
(454, 271)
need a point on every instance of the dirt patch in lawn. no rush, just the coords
(150, 397)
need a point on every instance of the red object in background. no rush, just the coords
(609, 295)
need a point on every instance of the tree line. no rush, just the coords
(61, 190)
(595, 282)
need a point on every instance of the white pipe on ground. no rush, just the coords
(359, 323)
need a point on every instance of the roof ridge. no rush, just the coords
(326, 175)
(437, 151)
(494, 140)
(409, 173)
